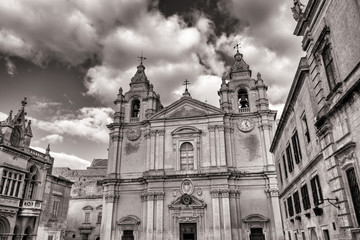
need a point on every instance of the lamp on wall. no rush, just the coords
(333, 199)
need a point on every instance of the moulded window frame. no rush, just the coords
(289, 157)
(345, 168)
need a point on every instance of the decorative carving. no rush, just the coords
(133, 133)
(187, 219)
(272, 192)
(186, 199)
(220, 127)
(161, 132)
(152, 133)
(116, 137)
(111, 197)
(186, 187)
(211, 128)
(265, 127)
(246, 124)
(199, 191)
(151, 196)
(297, 10)
(347, 159)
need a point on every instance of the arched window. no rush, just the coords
(4, 227)
(17, 233)
(99, 217)
(355, 192)
(187, 156)
(243, 99)
(32, 179)
(27, 233)
(135, 108)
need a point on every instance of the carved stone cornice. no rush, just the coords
(220, 193)
(151, 196)
(265, 126)
(15, 153)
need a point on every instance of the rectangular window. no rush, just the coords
(280, 174)
(285, 209)
(305, 197)
(297, 202)
(305, 128)
(50, 237)
(285, 169)
(296, 147)
(329, 66)
(55, 210)
(355, 192)
(289, 158)
(99, 217)
(87, 217)
(10, 183)
(316, 190)
(326, 234)
(290, 206)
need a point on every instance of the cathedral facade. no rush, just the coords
(191, 170)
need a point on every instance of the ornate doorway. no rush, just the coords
(188, 231)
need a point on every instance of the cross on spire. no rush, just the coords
(186, 83)
(141, 58)
(237, 46)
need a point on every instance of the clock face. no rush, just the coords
(246, 125)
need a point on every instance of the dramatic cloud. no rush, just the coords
(87, 123)
(3, 116)
(51, 139)
(181, 39)
(66, 160)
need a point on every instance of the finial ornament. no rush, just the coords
(237, 46)
(258, 75)
(48, 150)
(141, 58)
(120, 90)
(186, 83)
(24, 102)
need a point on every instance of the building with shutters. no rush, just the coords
(191, 170)
(316, 144)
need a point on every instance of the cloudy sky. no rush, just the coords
(69, 58)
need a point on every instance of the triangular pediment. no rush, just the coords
(187, 107)
(194, 203)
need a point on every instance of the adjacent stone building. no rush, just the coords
(55, 207)
(316, 143)
(25, 176)
(86, 200)
(192, 170)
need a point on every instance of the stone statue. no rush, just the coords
(297, 9)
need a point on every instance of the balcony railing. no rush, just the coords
(37, 153)
(243, 110)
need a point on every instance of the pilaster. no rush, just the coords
(212, 145)
(216, 213)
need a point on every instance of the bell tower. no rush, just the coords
(239, 93)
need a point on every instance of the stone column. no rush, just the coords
(217, 146)
(226, 213)
(265, 130)
(160, 150)
(148, 150)
(212, 145)
(115, 145)
(108, 232)
(144, 216)
(216, 213)
(222, 145)
(276, 230)
(153, 149)
(159, 215)
(232, 137)
(228, 147)
(150, 216)
(235, 212)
